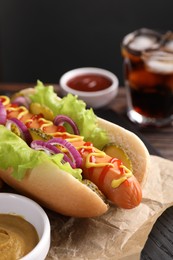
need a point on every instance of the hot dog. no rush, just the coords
(61, 186)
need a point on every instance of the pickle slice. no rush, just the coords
(15, 130)
(116, 151)
(94, 188)
(38, 134)
(37, 109)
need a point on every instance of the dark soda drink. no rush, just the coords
(148, 73)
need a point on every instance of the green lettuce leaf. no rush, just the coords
(15, 153)
(71, 106)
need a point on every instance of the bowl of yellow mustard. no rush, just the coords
(24, 228)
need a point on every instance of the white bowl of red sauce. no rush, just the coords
(95, 86)
(24, 228)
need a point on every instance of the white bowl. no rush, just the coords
(16, 204)
(95, 99)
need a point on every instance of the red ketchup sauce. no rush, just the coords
(89, 82)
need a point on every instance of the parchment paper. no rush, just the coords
(119, 234)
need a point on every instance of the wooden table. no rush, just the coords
(159, 138)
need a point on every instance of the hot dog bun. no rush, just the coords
(61, 192)
(58, 191)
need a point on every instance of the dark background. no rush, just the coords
(41, 39)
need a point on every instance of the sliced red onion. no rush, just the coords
(61, 119)
(42, 145)
(22, 101)
(3, 114)
(75, 155)
(24, 132)
(50, 149)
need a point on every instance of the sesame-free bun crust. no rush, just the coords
(133, 147)
(58, 191)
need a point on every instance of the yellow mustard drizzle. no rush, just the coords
(45, 124)
(30, 120)
(84, 147)
(70, 137)
(6, 100)
(96, 154)
(22, 113)
(118, 182)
